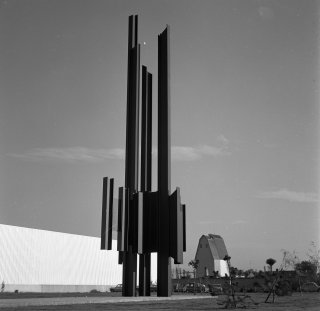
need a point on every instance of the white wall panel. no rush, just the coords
(40, 257)
(221, 266)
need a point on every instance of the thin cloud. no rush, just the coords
(292, 196)
(195, 153)
(82, 154)
(266, 13)
(185, 153)
(219, 222)
(223, 140)
(239, 222)
(208, 222)
(76, 154)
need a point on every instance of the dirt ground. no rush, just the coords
(306, 301)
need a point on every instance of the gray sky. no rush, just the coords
(244, 95)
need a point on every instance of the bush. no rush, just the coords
(94, 291)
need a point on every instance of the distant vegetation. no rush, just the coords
(292, 271)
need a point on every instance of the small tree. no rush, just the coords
(177, 273)
(270, 262)
(227, 259)
(314, 256)
(194, 264)
(215, 274)
(307, 269)
(289, 260)
(240, 272)
(3, 285)
(184, 273)
(233, 271)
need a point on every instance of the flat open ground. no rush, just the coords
(307, 301)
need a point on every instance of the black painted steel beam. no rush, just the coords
(184, 228)
(107, 213)
(144, 129)
(132, 128)
(144, 274)
(145, 180)
(140, 222)
(121, 209)
(151, 235)
(123, 219)
(147, 256)
(104, 213)
(164, 171)
(149, 134)
(132, 152)
(176, 227)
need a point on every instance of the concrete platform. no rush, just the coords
(23, 302)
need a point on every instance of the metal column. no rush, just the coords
(164, 169)
(129, 276)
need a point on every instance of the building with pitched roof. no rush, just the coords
(210, 255)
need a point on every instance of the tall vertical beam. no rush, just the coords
(176, 227)
(149, 134)
(145, 181)
(164, 169)
(144, 129)
(123, 219)
(147, 258)
(107, 213)
(184, 228)
(132, 151)
(132, 128)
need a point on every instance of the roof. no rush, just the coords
(216, 245)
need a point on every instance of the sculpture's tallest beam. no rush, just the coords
(132, 130)
(164, 167)
(129, 275)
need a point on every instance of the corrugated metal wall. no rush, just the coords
(40, 257)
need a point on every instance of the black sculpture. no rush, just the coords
(147, 221)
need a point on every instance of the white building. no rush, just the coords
(210, 255)
(45, 261)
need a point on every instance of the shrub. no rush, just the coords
(94, 291)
